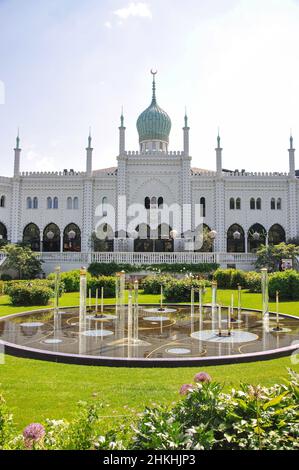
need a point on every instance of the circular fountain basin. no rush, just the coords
(172, 340)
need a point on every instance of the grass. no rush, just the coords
(35, 390)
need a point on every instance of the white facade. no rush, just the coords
(154, 171)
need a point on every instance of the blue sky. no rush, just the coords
(70, 64)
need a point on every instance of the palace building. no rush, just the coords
(59, 214)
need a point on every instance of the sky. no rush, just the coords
(68, 65)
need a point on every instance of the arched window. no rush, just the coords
(103, 239)
(72, 238)
(29, 203)
(31, 236)
(273, 204)
(55, 203)
(35, 203)
(238, 203)
(279, 204)
(256, 237)
(51, 238)
(3, 232)
(69, 203)
(259, 203)
(160, 203)
(49, 203)
(235, 239)
(203, 240)
(147, 203)
(2, 201)
(277, 234)
(203, 206)
(252, 203)
(76, 203)
(104, 206)
(232, 203)
(153, 201)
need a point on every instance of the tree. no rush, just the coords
(270, 256)
(23, 260)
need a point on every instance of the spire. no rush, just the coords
(89, 139)
(122, 119)
(291, 141)
(186, 117)
(18, 140)
(218, 140)
(154, 73)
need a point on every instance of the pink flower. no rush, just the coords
(33, 433)
(185, 389)
(202, 377)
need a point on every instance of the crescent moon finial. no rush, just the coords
(154, 72)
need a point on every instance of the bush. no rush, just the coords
(253, 282)
(152, 284)
(287, 283)
(5, 277)
(108, 282)
(108, 269)
(229, 278)
(70, 280)
(252, 418)
(29, 295)
(180, 290)
(34, 283)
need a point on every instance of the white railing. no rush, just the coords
(2, 258)
(149, 258)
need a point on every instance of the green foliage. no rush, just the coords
(152, 284)
(252, 418)
(70, 279)
(270, 256)
(287, 283)
(229, 278)
(253, 282)
(5, 277)
(33, 283)
(107, 282)
(26, 295)
(6, 424)
(23, 260)
(97, 269)
(180, 290)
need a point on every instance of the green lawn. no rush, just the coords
(35, 390)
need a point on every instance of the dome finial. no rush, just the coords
(291, 140)
(122, 117)
(154, 73)
(18, 139)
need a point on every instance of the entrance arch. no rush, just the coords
(235, 239)
(51, 238)
(257, 235)
(72, 238)
(31, 236)
(276, 234)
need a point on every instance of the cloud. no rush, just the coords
(108, 25)
(2, 93)
(38, 161)
(136, 9)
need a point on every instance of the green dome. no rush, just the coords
(154, 123)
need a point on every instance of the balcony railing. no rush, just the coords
(149, 258)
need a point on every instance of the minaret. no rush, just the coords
(89, 151)
(218, 157)
(186, 130)
(291, 158)
(17, 151)
(122, 135)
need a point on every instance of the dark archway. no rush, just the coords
(276, 234)
(31, 236)
(103, 240)
(3, 232)
(203, 241)
(72, 238)
(235, 239)
(256, 237)
(51, 238)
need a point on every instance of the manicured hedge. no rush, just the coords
(71, 282)
(70, 279)
(107, 282)
(27, 295)
(152, 284)
(97, 269)
(287, 283)
(48, 283)
(229, 278)
(180, 290)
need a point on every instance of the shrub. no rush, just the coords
(253, 282)
(252, 418)
(152, 284)
(5, 277)
(287, 283)
(34, 283)
(29, 295)
(108, 269)
(108, 282)
(180, 290)
(229, 278)
(70, 280)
